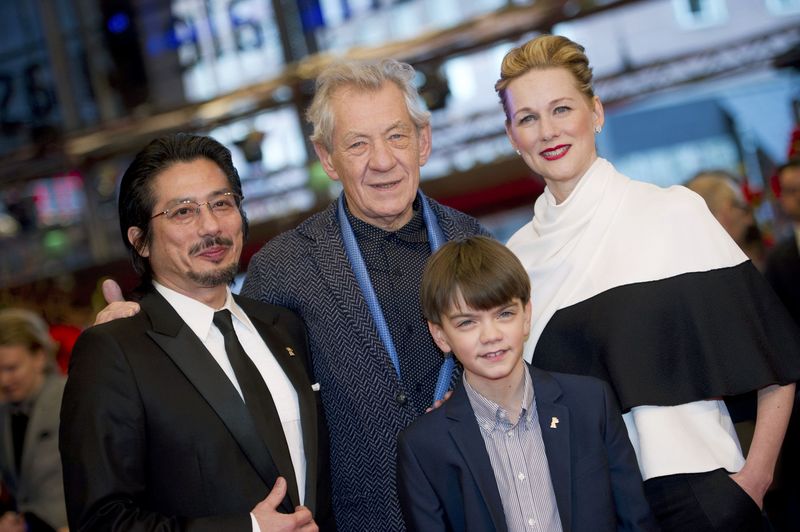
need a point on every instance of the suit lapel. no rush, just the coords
(190, 355)
(279, 345)
(554, 421)
(466, 434)
(335, 270)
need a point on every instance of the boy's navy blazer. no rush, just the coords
(446, 481)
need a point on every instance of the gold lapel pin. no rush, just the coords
(554, 423)
(289, 350)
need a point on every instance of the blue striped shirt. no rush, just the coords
(518, 459)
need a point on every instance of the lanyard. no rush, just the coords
(436, 239)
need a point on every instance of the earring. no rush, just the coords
(598, 129)
(518, 153)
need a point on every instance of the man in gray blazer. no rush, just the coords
(353, 272)
(31, 392)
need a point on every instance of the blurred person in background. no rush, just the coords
(783, 263)
(783, 273)
(722, 193)
(641, 287)
(29, 416)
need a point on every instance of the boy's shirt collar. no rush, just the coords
(491, 416)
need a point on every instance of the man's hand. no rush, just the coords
(12, 522)
(440, 402)
(117, 306)
(270, 520)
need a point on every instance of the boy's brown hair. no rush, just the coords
(482, 271)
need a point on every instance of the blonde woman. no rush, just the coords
(640, 286)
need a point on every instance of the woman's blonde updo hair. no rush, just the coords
(545, 51)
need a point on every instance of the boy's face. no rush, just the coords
(488, 343)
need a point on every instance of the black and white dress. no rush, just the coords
(640, 286)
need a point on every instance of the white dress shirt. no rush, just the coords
(199, 318)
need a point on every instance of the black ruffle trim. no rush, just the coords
(677, 340)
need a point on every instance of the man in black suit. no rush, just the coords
(197, 413)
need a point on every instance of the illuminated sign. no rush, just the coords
(221, 44)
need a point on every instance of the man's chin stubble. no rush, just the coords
(221, 276)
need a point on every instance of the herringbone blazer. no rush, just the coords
(307, 270)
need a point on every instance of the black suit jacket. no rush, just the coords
(155, 436)
(446, 481)
(783, 273)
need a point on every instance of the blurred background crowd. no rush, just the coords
(704, 93)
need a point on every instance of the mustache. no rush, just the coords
(209, 242)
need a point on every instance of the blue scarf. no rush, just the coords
(436, 238)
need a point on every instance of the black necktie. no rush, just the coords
(256, 396)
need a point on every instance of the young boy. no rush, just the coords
(514, 448)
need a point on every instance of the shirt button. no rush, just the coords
(401, 398)
(509, 433)
(531, 521)
(521, 476)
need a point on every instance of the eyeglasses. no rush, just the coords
(187, 211)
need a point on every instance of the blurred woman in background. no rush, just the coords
(31, 388)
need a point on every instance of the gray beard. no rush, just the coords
(222, 276)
